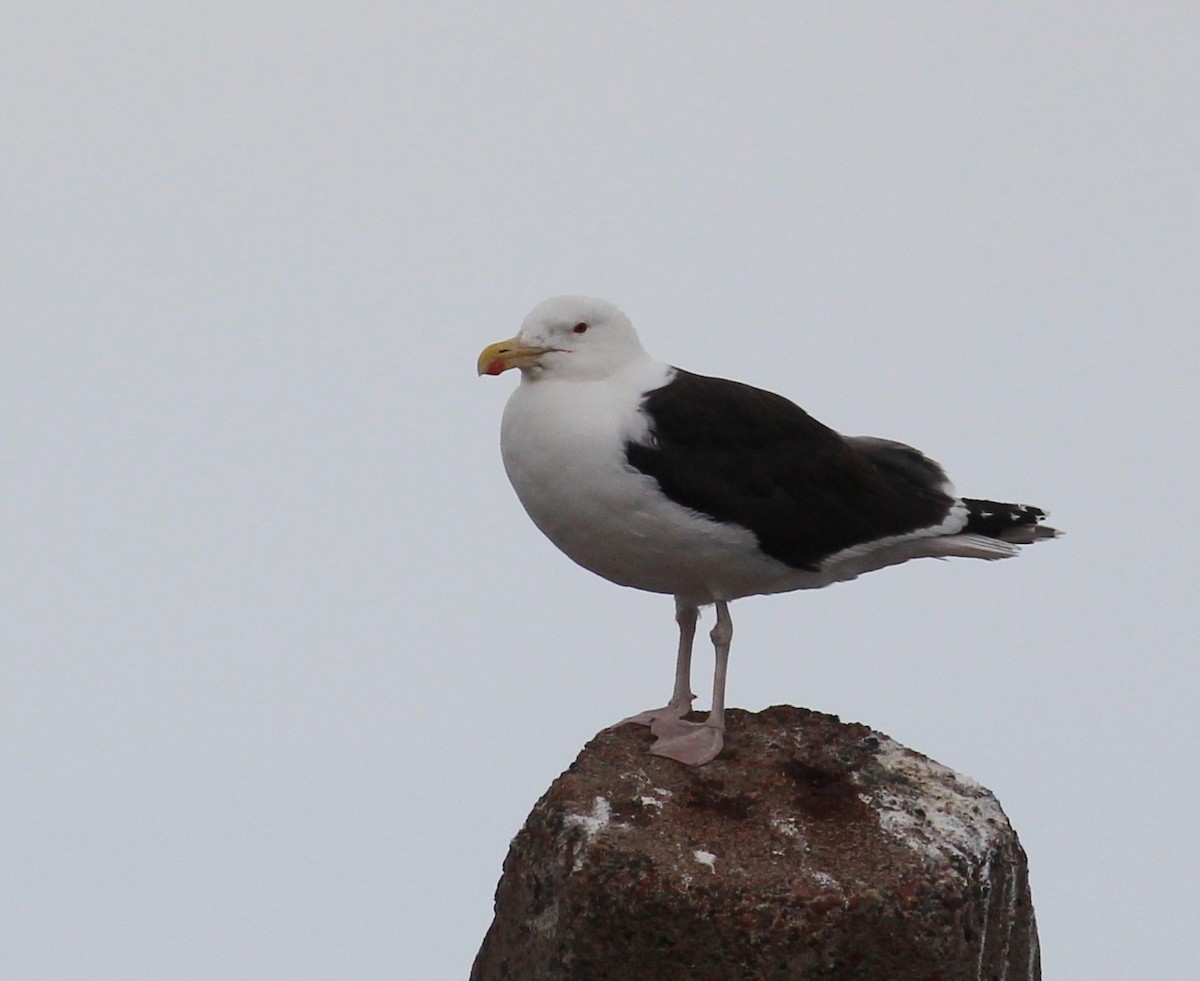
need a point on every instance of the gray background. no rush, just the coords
(284, 665)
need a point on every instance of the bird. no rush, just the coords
(710, 490)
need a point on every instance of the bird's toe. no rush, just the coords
(691, 743)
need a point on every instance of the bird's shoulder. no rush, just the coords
(701, 411)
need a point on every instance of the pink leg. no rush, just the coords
(697, 743)
(680, 704)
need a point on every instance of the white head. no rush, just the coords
(567, 337)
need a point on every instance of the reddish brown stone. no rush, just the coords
(808, 849)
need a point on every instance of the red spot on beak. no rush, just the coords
(495, 367)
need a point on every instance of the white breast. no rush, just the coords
(563, 444)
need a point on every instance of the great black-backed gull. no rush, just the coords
(710, 490)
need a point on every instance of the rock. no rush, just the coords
(809, 849)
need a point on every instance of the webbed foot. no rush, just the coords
(691, 743)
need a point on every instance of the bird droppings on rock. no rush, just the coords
(938, 811)
(827, 857)
(580, 829)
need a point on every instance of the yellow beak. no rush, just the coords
(503, 355)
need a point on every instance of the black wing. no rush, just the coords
(749, 457)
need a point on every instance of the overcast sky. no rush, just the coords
(284, 665)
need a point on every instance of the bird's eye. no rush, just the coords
(580, 328)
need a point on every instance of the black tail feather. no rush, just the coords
(1019, 523)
